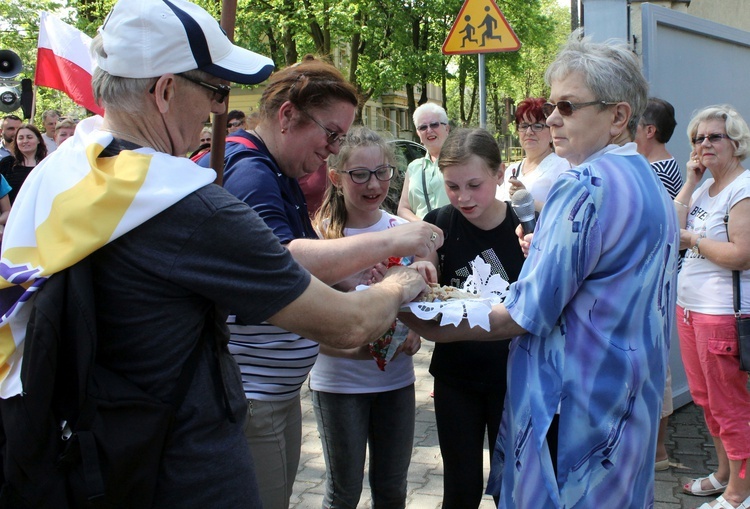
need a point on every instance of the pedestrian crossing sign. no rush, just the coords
(480, 27)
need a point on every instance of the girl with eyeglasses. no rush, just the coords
(540, 167)
(357, 405)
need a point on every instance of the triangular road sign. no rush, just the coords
(480, 27)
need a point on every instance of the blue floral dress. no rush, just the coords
(597, 296)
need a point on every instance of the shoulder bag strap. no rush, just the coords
(735, 277)
(424, 184)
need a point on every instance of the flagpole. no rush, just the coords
(33, 104)
(219, 129)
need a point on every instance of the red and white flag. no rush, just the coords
(64, 63)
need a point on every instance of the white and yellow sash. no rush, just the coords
(70, 205)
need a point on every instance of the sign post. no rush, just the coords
(480, 28)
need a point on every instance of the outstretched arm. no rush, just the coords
(349, 320)
(502, 326)
(333, 260)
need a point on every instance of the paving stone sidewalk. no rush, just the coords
(689, 445)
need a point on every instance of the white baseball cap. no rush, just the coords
(148, 38)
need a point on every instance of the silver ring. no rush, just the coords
(433, 237)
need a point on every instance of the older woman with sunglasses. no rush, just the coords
(705, 311)
(423, 188)
(305, 113)
(592, 306)
(540, 167)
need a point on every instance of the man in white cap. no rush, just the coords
(167, 252)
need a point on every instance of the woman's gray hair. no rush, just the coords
(124, 94)
(429, 108)
(609, 69)
(734, 124)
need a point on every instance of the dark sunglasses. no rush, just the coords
(712, 138)
(566, 108)
(432, 125)
(221, 92)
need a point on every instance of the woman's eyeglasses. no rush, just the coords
(712, 138)
(383, 173)
(566, 108)
(432, 125)
(332, 136)
(536, 127)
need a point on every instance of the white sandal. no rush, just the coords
(723, 504)
(695, 488)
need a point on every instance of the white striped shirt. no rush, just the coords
(274, 362)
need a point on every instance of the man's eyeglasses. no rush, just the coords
(234, 123)
(220, 91)
(712, 138)
(432, 125)
(383, 173)
(566, 108)
(333, 136)
(537, 127)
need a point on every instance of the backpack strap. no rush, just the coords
(92, 468)
(243, 141)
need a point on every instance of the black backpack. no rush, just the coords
(81, 435)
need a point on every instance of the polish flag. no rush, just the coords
(64, 63)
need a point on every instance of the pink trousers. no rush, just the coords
(709, 354)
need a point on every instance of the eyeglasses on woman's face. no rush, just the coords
(712, 138)
(432, 125)
(384, 173)
(332, 137)
(536, 127)
(566, 108)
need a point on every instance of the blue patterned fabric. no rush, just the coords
(596, 294)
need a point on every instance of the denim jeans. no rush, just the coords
(350, 423)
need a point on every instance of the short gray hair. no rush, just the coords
(120, 93)
(609, 69)
(734, 124)
(429, 108)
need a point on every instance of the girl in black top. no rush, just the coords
(470, 376)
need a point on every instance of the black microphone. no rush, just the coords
(523, 205)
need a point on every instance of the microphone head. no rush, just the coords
(523, 205)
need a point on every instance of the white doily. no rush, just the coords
(491, 290)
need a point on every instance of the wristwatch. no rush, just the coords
(696, 249)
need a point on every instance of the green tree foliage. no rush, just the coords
(380, 45)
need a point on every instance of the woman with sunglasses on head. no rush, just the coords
(705, 312)
(590, 313)
(305, 112)
(540, 167)
(362, 406)
(423, 188)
